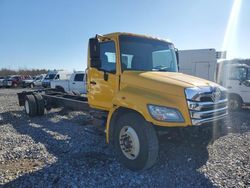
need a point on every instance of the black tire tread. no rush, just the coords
(153, 146)
(32, 105)
(40, 104)
(239, 100)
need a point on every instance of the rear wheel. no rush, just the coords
(234, 103)
(40, 104)
(136, 142)
(30, 105)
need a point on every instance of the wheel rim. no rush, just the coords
(129, 142)
(27, 108)
(233, 104)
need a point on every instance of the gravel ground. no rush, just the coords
(61, 149)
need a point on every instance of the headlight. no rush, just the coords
(166, 114)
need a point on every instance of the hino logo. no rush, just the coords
(216, 94)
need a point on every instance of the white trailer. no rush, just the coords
(199, 62)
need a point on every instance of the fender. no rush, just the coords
(131, 99)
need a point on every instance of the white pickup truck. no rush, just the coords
(75, 84)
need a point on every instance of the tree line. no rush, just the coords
(31, 72)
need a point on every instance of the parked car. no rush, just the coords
(14, 81)
(55, 75)
(34, 82)
(75, 84)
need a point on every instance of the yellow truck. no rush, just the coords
(133, 82)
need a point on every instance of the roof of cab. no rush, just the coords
(137, 35)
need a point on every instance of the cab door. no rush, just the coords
(77, 84)
(103, 80)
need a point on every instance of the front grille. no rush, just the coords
(205, 109)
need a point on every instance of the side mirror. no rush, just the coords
(177, 56)
(94, 49)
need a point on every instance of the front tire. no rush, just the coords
(234, 103)
(136, 142)
(15, 85)
(59, 89)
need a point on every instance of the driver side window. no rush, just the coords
(108, 56)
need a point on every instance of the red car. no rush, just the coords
(14, 81)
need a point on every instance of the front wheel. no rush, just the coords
(136, 142)
(234, 103)
(15, 85)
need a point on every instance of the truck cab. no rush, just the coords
(236, 78)
(135, 79)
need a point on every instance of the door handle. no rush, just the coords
(92, 82)
(73, 83)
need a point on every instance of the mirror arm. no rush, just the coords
(177, 57)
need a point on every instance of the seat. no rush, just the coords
(106, 65)
(136, 63)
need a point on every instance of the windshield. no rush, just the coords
(50, 76)
(143, 54)
(239, 73)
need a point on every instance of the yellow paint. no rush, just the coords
(135, 90)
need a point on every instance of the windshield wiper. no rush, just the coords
(161, 68)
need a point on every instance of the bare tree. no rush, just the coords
(31, 72)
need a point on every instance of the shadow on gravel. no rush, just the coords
(83, 158)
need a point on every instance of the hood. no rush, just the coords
(166, 82)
